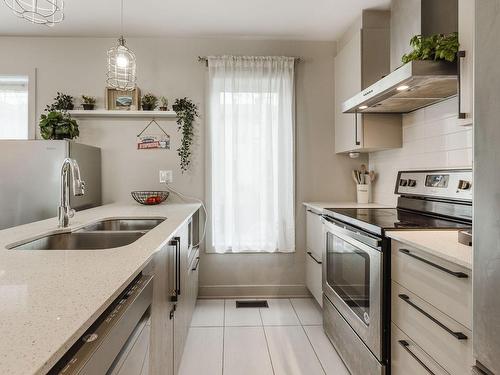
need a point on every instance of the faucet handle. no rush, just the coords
(71, 213)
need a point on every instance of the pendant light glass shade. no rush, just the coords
(121, 67)
(41, 12)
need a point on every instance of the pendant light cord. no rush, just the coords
(121, 19)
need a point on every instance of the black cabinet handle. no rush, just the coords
(313, 258)
(356, 129)
(457, 335)
(460, 56)
(406, 346)
(195, 267)
(460, 275)
(177, 269)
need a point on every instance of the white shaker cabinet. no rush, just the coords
(362, 59)
(466, 24)
(314, 249)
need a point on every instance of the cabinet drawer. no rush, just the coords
(407, 358)
(447, 341)
(429, 277)
(315, 237)
(314, 278)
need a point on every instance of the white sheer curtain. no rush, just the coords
(251, 154)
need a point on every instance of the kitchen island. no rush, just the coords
(51, 297)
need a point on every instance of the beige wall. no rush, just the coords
(432, 138)
(169, 67)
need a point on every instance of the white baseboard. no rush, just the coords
(252, 291)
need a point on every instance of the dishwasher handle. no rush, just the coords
(97, 349)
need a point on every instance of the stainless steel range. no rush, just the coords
(356, 260)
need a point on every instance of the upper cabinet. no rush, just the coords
(466, 15)
(363, 58)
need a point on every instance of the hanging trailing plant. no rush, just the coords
(187, 112)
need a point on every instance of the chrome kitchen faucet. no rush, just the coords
(65, 212)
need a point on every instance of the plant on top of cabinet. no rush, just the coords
(434, 47)
(58, 125)
(187, 112)
(163, 104)
(62, 102)
(88, 102)
(149, 102)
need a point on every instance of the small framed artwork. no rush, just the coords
(122, 100)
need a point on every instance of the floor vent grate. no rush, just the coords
(255, 304)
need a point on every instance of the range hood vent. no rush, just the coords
(414, 85)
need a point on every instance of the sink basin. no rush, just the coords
(124, 225)
(80, 241)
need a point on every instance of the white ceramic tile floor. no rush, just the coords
(285, 339)
(308, 311)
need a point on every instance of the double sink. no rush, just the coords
(104, 234)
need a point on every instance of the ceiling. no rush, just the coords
(273, 19)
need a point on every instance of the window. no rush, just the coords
(14, 110)
(251, 154)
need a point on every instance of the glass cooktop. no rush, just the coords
(378, 220)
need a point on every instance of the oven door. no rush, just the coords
(352, 280)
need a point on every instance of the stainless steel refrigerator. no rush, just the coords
(486, 242)
(30, 179)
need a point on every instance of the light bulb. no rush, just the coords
(122, 61)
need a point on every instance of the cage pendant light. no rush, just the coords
(121, 64)
(41, 12)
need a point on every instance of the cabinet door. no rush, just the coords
(161, 341)
(348, 131)
(181, 323)
(315, 238)
(314, 278)
(466, 14)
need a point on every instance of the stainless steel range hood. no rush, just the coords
(414, 85)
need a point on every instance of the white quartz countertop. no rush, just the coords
(442, 244)
(320, 206)
(49, 298)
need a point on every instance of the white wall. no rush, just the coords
(432, 138)
(169, 67)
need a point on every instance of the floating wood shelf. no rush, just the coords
(103, 113)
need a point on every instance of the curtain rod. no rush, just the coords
(205, 59)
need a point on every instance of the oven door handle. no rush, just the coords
(313, 258)
(460, 275)
(406, 346)
(457, 335)
(352, 232)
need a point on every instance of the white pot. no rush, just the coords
(363, 193)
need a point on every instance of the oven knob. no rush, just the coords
(412, 183)
(366, 317)
(403, 182)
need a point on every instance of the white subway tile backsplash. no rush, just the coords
(432, 138)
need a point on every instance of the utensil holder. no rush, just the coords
(363, 193)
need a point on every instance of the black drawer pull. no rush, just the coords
(406, 346)
(460, 275)
(313, 258)
(457, 335)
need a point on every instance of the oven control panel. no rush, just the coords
(450, 184)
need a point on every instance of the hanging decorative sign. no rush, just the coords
(148, 141)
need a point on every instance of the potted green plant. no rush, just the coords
(187, 112)
(88, 102)
(433, 47)
(163, 104)
(62, 102)
(149, 102)
(58, 125)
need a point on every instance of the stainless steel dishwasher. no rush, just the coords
(118, 342)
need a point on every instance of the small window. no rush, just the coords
(14, 110)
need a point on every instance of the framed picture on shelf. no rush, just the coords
(122, 100)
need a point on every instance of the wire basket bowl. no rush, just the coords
(150, 198)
